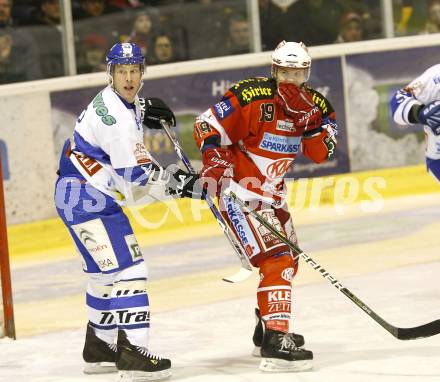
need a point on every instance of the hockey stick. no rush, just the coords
(246, 267)
(426, 330)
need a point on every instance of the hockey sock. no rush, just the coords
(98, 306)
(130, 305)
(275, 291)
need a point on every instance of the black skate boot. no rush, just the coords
(259, 332)
(280, 354)
(99, 356)
(136, 364)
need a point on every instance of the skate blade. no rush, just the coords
(275, 365)
(141, 376)
(99, 368)
(257, 351)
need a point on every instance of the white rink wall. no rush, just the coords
(27, 129)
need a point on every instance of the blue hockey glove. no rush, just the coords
(430, 115)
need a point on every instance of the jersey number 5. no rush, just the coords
(267, 112)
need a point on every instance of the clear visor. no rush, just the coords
(296, 76)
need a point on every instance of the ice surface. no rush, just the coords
(390, 261)
(213, 342)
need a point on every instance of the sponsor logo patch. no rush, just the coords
(258, 92)
(126, 316)
(223, 108)
(280, 144)
(90, 166)
(279, 303)
(141, 154)
(278, 295)
(252, 89)
(133, 247)
(242, 228)
(268, 240)
(102, 111)
(286, 126)
(305, 117)
(94, 237)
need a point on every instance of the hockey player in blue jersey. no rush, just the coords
(104, 166)
(419, 102)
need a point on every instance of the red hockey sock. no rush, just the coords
(274, 292)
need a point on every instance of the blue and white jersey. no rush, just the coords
(422, 90)
(108, 147)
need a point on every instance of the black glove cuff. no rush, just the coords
(413, 115)
(313, 132)
(211, 142)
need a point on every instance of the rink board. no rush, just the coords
(187, 218)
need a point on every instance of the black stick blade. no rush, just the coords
(422, 331)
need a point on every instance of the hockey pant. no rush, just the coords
(433, 166)
(116, 292)
(274, 259)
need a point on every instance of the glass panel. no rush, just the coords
(97, 24)
(167, 32)
(207, 28)
(30, 40)
(416, 17)
(173, 31)
(318, 22)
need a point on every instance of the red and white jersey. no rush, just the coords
(263, 139)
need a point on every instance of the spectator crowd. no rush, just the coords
(172, 31)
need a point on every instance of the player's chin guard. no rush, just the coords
(291, 63)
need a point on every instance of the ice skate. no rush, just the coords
(99, 356)
(257, 338)
(136, 364)
(280, 354)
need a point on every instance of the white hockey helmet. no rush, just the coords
(291, 62)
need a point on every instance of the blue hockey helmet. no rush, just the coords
(124, 54)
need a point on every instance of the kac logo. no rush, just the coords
(288, 274)
(278, 168)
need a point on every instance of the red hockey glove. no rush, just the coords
(217, 165)
(313, 140)
(298, 105)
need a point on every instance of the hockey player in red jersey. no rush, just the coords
(248, 141)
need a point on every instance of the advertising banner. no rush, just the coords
(190, 95)
(375, 141)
